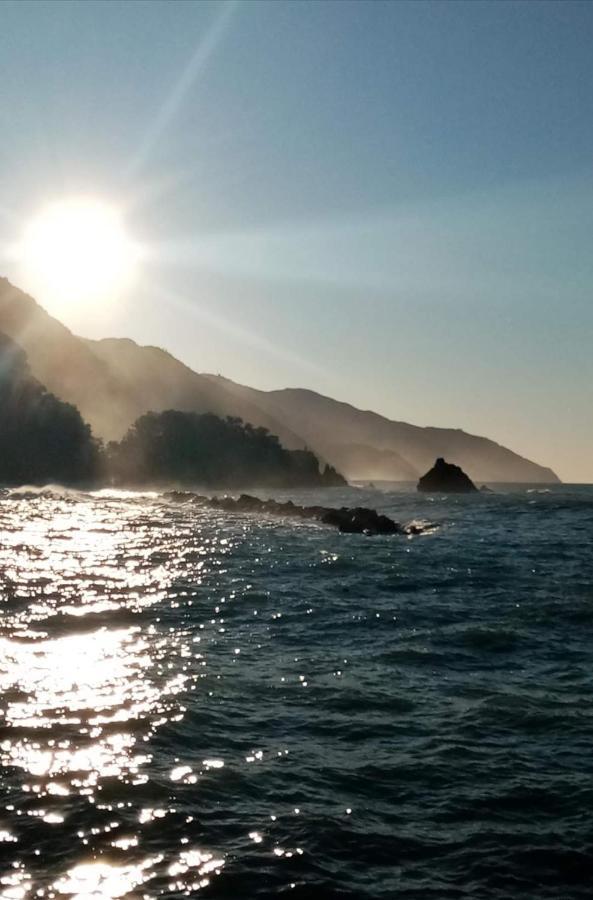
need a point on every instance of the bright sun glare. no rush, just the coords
(78, 251)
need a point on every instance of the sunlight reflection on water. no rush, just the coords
(100, 879)
(85, 681)
(83, 694)
(185, 693)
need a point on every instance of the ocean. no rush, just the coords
(196, 703)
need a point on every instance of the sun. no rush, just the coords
(77, 251)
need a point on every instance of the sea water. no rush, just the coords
(195, 703)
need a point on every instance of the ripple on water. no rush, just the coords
(200, 704)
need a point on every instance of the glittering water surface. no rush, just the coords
(201, 703)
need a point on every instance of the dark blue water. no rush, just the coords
(195, 703)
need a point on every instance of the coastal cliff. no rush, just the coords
(115, 381)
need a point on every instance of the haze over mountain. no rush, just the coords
(42, 439)
(372, 446)
(114, 381)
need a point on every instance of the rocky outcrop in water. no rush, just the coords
(351, 520)
(446, 478)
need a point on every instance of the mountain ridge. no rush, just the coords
(418, 445)
(191, 390)
(113, 381)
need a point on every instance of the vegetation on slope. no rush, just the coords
(113, 382)
(187, 448)
(42, 439)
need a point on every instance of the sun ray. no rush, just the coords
(206, 47)
(247, 337)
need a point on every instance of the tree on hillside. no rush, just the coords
(188, 448)
(42, 439)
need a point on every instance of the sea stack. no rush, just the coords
(446, 478)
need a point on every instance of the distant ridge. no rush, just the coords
(113, 381)
(327, 424)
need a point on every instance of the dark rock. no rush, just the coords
(247, 503)
(179, 496)
(486, 490)
(415, 528)
(446, 478)
(358, 520)
(313, 512)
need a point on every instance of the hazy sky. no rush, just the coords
(391, 203)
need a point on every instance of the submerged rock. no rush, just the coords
(355, 520)
(446, 478)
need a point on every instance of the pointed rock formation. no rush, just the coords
(446, 478)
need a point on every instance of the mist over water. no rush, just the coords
(198, 703)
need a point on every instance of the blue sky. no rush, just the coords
(391, 203)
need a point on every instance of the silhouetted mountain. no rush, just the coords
(63, 362)
(114, 381)
(184, 448)
(42, 439)
(325, 424)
